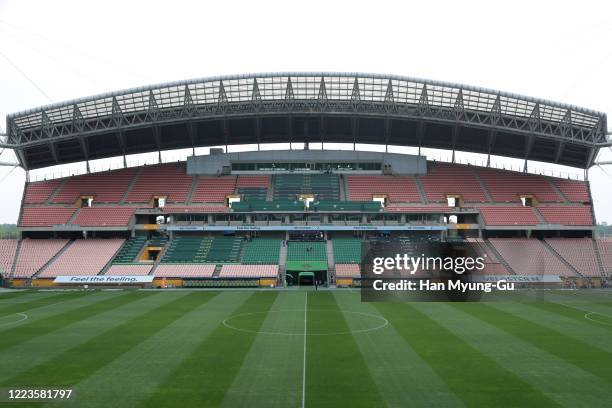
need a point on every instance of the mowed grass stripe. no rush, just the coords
(9, 298)
(575, 311)
(336, 374)
(203, 378)
(473, 376)
(593, 334)
(63, 316)
(271, 374)
(570, 349)
(11, 293)
(127, 381)
(402, 376)
(39, 349)
(566, 384)
(42, 301)
(78, 363)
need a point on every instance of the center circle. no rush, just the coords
(20, 318)
(239, 322)
(592, 316)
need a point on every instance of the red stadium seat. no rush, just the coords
(567, 215)
(168, 180)
(396, 188)
(106, 187)
(39, 192)
(104, 216)
(45, 216)
(214, 189)
(575, 190)
(83, 257)
(509, 215)
(578, 252)
(444, 179)
(34, 254)
(508, 186)
(529, 256)
(184, 271)
(129, 270)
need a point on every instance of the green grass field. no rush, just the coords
(305, 348)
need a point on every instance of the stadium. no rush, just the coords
(277, 238)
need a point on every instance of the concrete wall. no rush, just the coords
(400, 163)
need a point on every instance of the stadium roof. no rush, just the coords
(306, 107)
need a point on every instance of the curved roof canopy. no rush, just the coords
(306, 107)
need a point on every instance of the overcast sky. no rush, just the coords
(52, 51)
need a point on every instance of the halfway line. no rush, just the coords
(304, 364)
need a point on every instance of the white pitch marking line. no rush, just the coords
(588, 314)
(588, 317)
(304, 363)
(384, 324)
(23, 317)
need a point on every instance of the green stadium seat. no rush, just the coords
(346, 250)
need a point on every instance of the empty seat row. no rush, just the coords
(509, 186)
(83, 257)
(509, 215)
(214, 189)
(130, 249)
(575, 190)
(347, 250)
(443, 179)
(306, 251)
(321, 186)
(347, 271)
(45, 216)
(567, 215)
(39, 192)
(529, 256)
(396, 188)
(169, 180)
(578, 252)
(187, 249)
(249, 271)
(184, 271)
(107, 187)
(261, 251)
(129, 270)
(8, 248)
(605, 251)
(34, 254)
(104, 216)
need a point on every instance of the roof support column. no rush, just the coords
(121, 142)
(559, 152)
(492, 136)
(355, 130)
(387, 132)
(306, 135)
(420, 132)
(158, 143)
(528, 145)
(225, 133)
(322, 131)
(454, 140)
(191, 137)
(289, 125)
(85, 151)
(257, 125)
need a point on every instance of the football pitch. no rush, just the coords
(295, 348)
